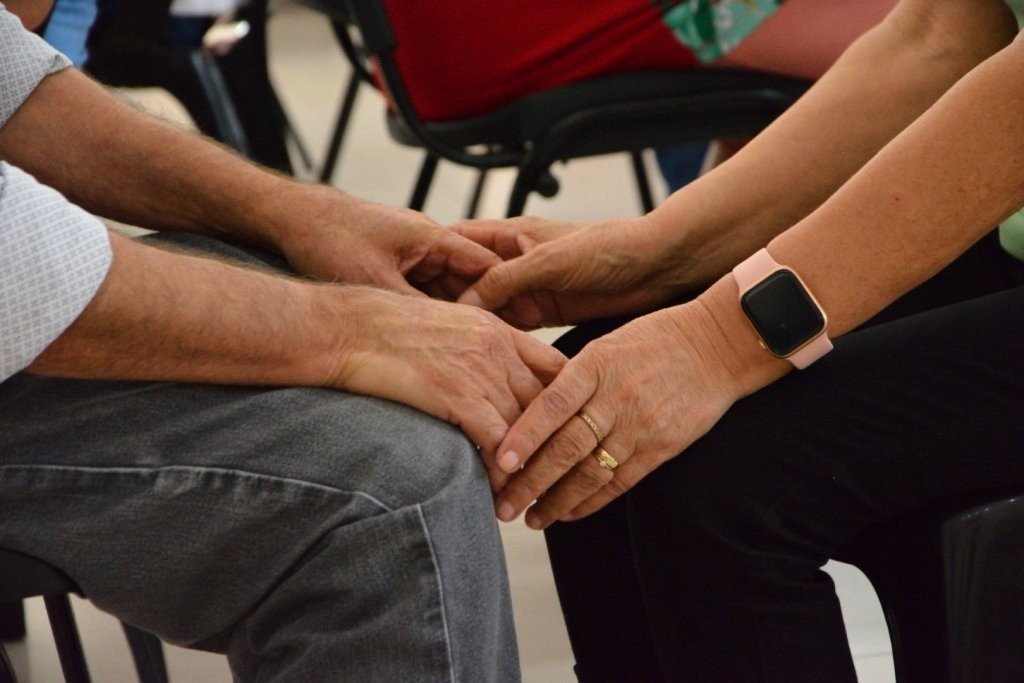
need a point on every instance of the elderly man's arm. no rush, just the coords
(114, 161)
(162, 315)
(77, 303)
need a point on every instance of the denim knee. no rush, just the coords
(393, 453)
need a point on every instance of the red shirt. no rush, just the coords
(462, 58)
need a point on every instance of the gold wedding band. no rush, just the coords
(593, 425)
(605, 459)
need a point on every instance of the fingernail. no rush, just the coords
(506, 512)
(509, 461)
(471, 298)
(532, 317)
(533, 521)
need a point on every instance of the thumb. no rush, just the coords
(468, 259)
(498, 285)
(396, 283)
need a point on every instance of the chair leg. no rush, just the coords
(984, 562)
(65, 634)
(6, 670)
(148, 653)
(534, 176)
(348, 103)
(642, 182)
(12, 621)
(423, 181)
(225, 116)
(292, 135)
(478, 191)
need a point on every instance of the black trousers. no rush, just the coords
(710, 569)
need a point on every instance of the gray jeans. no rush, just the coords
(311, 535)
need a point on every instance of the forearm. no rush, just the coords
(123, 164)
(878, 87)
(934, 190)
(167, 316)
(164, 316)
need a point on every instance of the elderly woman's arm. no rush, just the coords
(881, 84)
(657, 384)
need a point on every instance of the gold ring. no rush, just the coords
(605, 459)
(593, 425)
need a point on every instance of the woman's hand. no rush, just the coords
(457, 363)
(651, 388)
(557, 273)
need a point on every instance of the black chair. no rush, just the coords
(622, 113)
(358, 76)
(23, 576)
(949, 579)
(230, 97)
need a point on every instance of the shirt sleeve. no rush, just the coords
(53, 255)
(53, 258)
(25, 60)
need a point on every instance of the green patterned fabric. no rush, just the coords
(1011, 235)
(711, 28)
(1011, 232)
(1018, 8)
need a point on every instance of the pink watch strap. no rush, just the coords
(812, 351)
(756, 268)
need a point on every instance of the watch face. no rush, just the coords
(783, 313)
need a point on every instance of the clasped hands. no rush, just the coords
(650, 388)
(630, 400)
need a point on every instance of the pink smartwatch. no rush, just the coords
(785, 315)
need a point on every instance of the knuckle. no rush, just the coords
(528, 438)
(589, 479)
(523, 488)
(498, 281)
(556, 403)
(566, 448)
(618, 485)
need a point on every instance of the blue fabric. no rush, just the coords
(69, 27)
(680, 165)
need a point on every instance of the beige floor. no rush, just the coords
(309, 72)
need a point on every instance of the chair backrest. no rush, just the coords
(624, 112)
(642, 109)
(945, 575)
(378, 44)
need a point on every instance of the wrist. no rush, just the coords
(745, 362)
(692, 255)
(340, 317)
(660, 250)
(284, 212)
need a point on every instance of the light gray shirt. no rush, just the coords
(53, 255)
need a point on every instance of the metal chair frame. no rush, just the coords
(23, 576)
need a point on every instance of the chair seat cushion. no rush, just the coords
(23, 576)
(624, 94)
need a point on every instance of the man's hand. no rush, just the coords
(155, 176)
(336, 237)
(167, 316)
(457, 363)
